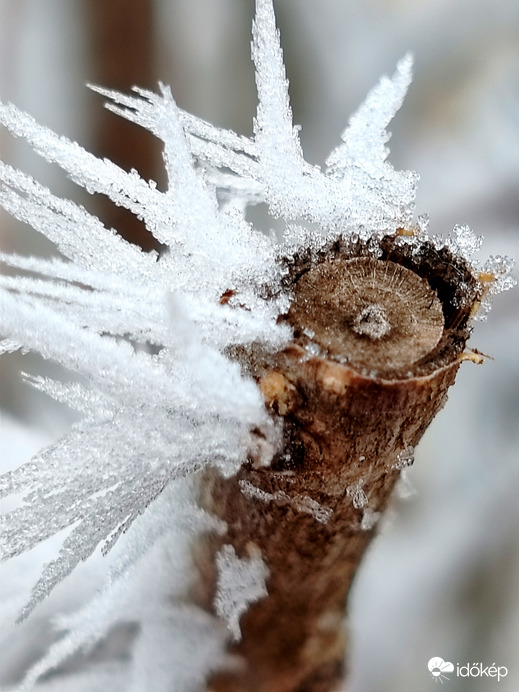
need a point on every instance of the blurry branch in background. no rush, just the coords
(121, 46)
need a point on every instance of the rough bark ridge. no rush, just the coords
(378, 341)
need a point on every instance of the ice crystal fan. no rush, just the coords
(246, 403)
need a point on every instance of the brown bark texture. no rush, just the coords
(377, 342)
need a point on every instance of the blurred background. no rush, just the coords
(442, 579)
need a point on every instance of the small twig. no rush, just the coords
(369, 368)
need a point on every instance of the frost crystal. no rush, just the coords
(240, 582)
(404, 459)
(302, 503)
(404, 486)
(147, 336)
(357, 495)
(369, 519)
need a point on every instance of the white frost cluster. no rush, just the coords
(301, 503)
(145, 334)
(152, 592)
(241, 581)
(357, 494)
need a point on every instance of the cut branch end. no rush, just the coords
(377, 343)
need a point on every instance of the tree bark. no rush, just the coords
(377, 343)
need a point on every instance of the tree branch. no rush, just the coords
(377, 343)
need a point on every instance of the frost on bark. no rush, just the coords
(377, 343)
(330, 347)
